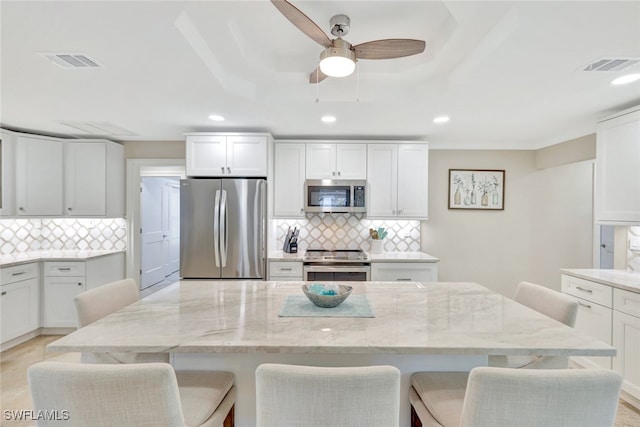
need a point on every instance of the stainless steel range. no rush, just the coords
(336, 265)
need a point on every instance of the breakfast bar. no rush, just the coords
(236, 325)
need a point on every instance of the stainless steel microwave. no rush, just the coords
(336, 196)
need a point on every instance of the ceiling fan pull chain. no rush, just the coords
(357, 82)
(317, 85)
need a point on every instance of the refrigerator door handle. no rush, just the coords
(223, 232)
(216, 228)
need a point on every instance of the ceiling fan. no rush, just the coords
(339, 57)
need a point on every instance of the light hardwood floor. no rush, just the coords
(15, 391)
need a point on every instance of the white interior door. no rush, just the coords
(153, 260)
(171, 226)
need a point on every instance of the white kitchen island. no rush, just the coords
(235, 326)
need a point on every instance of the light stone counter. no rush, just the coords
(53, 255)
(242, 317)
(402, 257)
(235, 326)
(283, 256)
(622, 279)
(383, 257)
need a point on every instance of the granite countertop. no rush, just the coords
(410, 319)
(383, 257)
(54, 255)
(622, 279)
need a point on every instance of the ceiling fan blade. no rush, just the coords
(317, 76)
(388, 48)
(302, 21)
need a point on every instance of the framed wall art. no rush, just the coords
(476, 189)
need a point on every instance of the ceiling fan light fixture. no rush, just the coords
(338, 60)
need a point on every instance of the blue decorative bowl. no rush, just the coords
(328, 301)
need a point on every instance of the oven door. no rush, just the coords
(337, 273)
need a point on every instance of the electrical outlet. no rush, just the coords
(634, 243)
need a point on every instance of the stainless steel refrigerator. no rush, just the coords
(223, 228)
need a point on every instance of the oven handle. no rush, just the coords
(335, 268)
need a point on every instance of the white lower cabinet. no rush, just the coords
(19, 301)
(594, 313)
(285, 271)
(626, 339)
(64, 280)
(404, 272)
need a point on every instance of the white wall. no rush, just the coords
(546, 224)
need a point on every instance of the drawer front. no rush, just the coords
(626, 302)
(588, 290)
(402, 272)
(286, 269)
(63, 269)
(17, 273)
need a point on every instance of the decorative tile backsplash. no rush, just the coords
(32, 234)
(633, 257)
(348, 231)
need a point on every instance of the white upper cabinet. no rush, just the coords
(223, 155)
(39, 176)
(288, 185)
(336, 161)
(397, 179)
(8, 171)
(617, 195)
(382, 180)
(413, 176)
(94, 178)
(45, 176)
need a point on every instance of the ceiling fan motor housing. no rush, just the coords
(340, 48)
(340, 25)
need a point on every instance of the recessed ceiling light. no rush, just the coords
(328, 119)
(629, 78)
(441, 119)
(216, 118)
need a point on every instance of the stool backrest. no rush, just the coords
(97, 303)
(289, 395)
(499, 397)
(104, 395)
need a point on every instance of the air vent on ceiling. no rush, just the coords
(72, 60)
(611, 64)
(99, 128)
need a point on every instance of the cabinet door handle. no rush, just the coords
(589, 291)
(338, 173)
(79, 283)
(222, 169)
(285, 269)
(403, 280)
(64, 268)
(584, 305)
(20, 273)
(3, 293)
(69, 209)
(301, 210)
(333, 173)
(228, 169)
(21, 209)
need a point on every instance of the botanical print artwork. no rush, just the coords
(476, 189)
